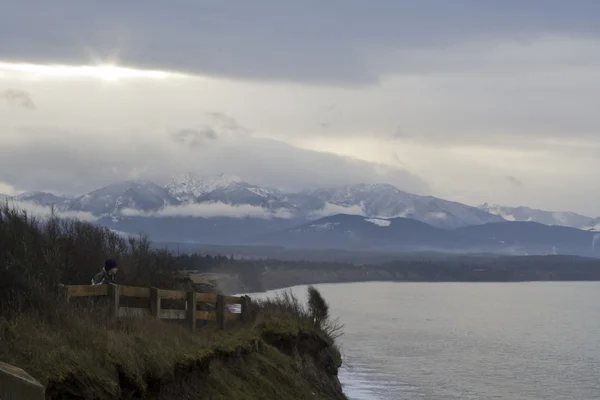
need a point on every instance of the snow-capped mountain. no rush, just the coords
(224, 209)
(378, 200)
(190, 187)
(227, 189)
(387, 201)
(112, 199)
(43, 199)
(562, 218)
(368, 200)
(373, 201)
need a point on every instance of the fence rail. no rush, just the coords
(190, 314)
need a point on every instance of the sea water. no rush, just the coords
(538, 340)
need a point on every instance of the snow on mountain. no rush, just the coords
(387, 201)
(189, 187)
(357, 232)
(111, 199)
(379, 222)
(570, 219)
(593, 226)
(227, 189)
(44, 199)
(374, 201)
(40, 198)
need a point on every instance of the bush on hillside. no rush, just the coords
(318, 310)
(315, 314)
(317, 306)
(37, 255)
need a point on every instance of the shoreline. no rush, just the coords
(260, 276)
(290, 285)
(428, 282)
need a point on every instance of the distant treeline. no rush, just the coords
(202, 262)
(258, 275)
(462, 267)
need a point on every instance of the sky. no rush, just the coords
(469, 100)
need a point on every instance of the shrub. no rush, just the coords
(317, 306)
(37, 255)
(285, 305)
(319, 314)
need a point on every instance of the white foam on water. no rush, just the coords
(364, 383)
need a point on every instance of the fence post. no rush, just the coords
(191, 310)
(155, 302)
(245, 303)
(113, 299)
(220, 311)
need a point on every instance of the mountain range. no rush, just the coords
(562, 218)
(351, 232)
(224, 209)
(194, 195)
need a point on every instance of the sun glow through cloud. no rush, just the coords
(106, 72)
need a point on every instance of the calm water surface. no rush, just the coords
(468, 341)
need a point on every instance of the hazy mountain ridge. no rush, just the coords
(353, 232)
(43, 198)
(387, 201)
(562, 218)
(111, 200)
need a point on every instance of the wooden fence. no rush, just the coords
(190, 314)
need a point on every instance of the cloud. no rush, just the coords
(476, 88)
(18, 98)
(46, 158)
(218, 125)
(595, 240)
(399, 133)
(437, 215)
(333, 209)
(8, 190)
(218, 209)
(213, 209)
(238, 40)
(514, 180)
(124, 235)
(226, 123)
(43, 212)
(397, 159)
(192, 137)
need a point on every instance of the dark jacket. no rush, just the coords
(102, 278)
